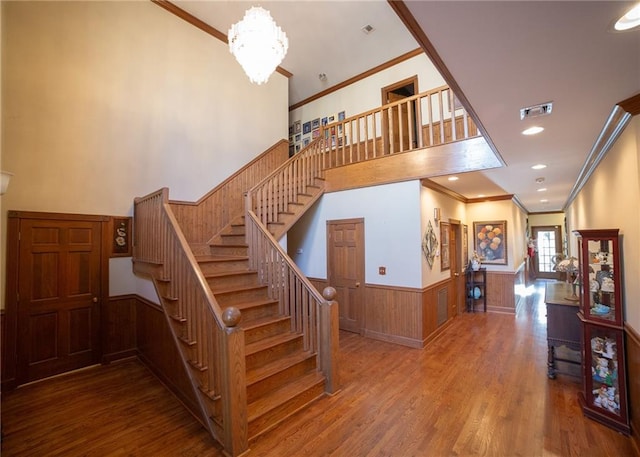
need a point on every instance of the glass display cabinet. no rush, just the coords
(604, 396)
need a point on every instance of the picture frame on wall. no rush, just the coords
(315, 123)
(306, 128)
(297, 127)
(490, 241)
(445, 260)
(121, 245)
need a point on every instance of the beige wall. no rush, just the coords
(504, 210)
(611, 199)
(106, 101)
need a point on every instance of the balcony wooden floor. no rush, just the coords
(480, 389)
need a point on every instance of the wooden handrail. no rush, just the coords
(298, 298)
(216, 345)
(420, 121)
(286, 183)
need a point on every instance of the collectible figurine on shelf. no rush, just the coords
(602, 369)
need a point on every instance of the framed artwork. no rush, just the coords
(430, 244)
(291, 130)
(298, 137)
(341, 116)
(465, 245)
(315, 133)
(121, 237)
(445, 261)
(490, 241)
(306, 128)
(306, 141)
(325, 121)
(297, 127)
(315, 123)
(332, 118)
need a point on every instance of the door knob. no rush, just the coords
(456, 274)
(357, 284)
(94, 299)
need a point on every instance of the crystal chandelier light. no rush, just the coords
(258, 44)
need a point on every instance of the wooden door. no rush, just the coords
(457, 302)
(345, 270)
(59, 286)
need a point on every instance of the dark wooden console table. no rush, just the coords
(563, 325)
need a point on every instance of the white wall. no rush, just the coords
(366, 94)
(392, 235)
(106, 101)
(611, 199)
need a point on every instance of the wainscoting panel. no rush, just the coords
(632, 343)
(157, 350)
(501, 291)
(393, 314)
(435, 316)
(119, 328)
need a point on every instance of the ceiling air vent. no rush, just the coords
(536, 110)
(367, 29)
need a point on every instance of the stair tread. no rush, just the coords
(257, 374)
(238, 288)
(285, 393)
(254, 303)
(269, 342)
(220, 245)
(228, 273)
(219, 258)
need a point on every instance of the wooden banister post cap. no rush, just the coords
(329, 293)
(231, 316)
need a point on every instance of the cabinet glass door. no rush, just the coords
(600, 280)
(605, 387)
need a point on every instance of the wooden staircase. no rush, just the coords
(281, 375)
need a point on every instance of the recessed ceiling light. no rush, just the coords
(542, 189)
(532, 130)
(453, 178)
(629, 20)
(539, 166)
(544, 200)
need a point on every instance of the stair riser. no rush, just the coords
(228, 239)
(235, 230)
(258, 312)
(263, 387)
(265, 331)
(226, 266)
(220, 249)
(273, 353)
(272, 418)
(241, 296)
(248, 279)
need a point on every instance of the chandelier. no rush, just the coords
(258, 44)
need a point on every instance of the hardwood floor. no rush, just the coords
(479, 389)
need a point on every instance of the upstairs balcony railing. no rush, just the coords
(428, 119)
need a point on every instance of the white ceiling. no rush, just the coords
(504, 55)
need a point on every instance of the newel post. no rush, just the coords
(234, 391)
(329, 339)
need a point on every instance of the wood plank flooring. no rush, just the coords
(479, 390)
